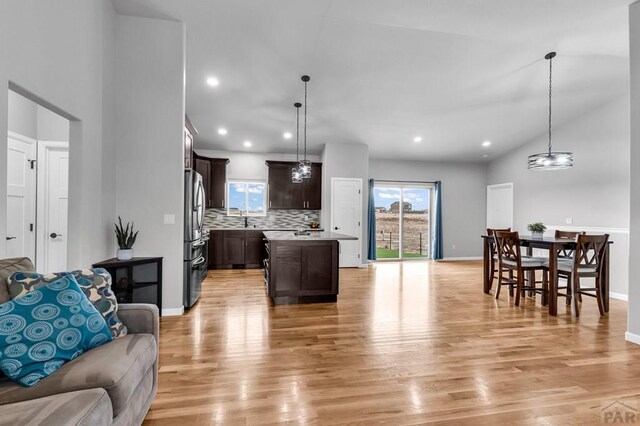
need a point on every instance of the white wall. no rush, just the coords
(51, 126)
(594, 193)
(633, 326)
(149, 173)
(56, 52)
(463, 198)
(23, 115)
(249, 165)
(345, 161)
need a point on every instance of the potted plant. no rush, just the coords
(126, 238)
(537, 229)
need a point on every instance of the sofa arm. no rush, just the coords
(140, 318)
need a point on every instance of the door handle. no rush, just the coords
(11, 238)
(54, 235)
(336, 228)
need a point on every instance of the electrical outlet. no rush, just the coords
(306, 218)
(169, 219)
(569, 220)
(453, 246)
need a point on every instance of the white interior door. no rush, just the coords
(21, 193)
(500, 205)
(346, 217)
(53, 199)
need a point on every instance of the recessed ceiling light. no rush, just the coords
(486, 143)
(485, 156)
(287, 135)
(247, 144)
(417, 139)
(213, 82)
(222, 131)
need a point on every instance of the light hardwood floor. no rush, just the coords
(406, 343)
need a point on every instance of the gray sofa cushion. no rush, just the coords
(86, 408)
(118, 367)
(7, 268)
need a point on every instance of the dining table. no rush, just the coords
(553, 245)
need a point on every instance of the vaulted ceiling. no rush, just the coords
(455, 72)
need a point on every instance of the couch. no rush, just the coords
(113, 384)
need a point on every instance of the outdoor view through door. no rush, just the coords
(403, 229)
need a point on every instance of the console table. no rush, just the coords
(138, 280)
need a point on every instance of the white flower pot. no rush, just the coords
(124, 254)
(537, 235)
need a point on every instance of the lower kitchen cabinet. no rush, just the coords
(236, 248)
(302, 271)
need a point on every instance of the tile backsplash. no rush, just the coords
(275, 219)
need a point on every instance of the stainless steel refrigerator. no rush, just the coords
(195, 239)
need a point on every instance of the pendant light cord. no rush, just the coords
(550, 72)
(297, 134)
(305, 120)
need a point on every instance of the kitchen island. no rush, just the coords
(302, 268)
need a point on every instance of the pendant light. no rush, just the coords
(305, 165)
(295, 171)
(550, 160)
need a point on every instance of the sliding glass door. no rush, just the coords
(403, 225)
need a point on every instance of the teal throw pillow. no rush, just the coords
(95, 283)
(45, 328)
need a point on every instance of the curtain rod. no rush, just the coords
(401, 181)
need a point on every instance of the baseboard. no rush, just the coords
(631, 337)
(462, 258)
(618, 296)
(172, 312)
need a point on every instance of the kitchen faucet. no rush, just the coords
(246, 222)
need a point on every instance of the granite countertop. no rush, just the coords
(242, 228)
(314, 236)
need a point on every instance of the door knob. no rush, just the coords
(336, 228)
(11, 238)
(54, 235)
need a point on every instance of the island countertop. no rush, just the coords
(313, 236)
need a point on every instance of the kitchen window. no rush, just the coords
(246, 198)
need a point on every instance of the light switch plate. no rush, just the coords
(569, 220)
(169, 219)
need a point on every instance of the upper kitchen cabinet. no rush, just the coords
(312, 189)
(214, 177)
(189, 133)
(283, 194)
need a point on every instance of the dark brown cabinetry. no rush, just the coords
(283, 194)
(214, 178)
(302, 271)
(236, 248)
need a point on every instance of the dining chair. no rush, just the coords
(567, 253)
(511, 260)
(587, 262)
(494, 253)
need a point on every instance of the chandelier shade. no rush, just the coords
(550, 160)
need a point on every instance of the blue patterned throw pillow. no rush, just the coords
(45, 328)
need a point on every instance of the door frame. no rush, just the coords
(401, 186)
(34, 184)
(42, 185)
(360, 236)
(497, 186)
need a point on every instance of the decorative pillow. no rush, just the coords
(45, 328)
(95, 283)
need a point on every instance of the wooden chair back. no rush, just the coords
(491, 232)
(567, 235)
(508, 246)
(590, 251)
